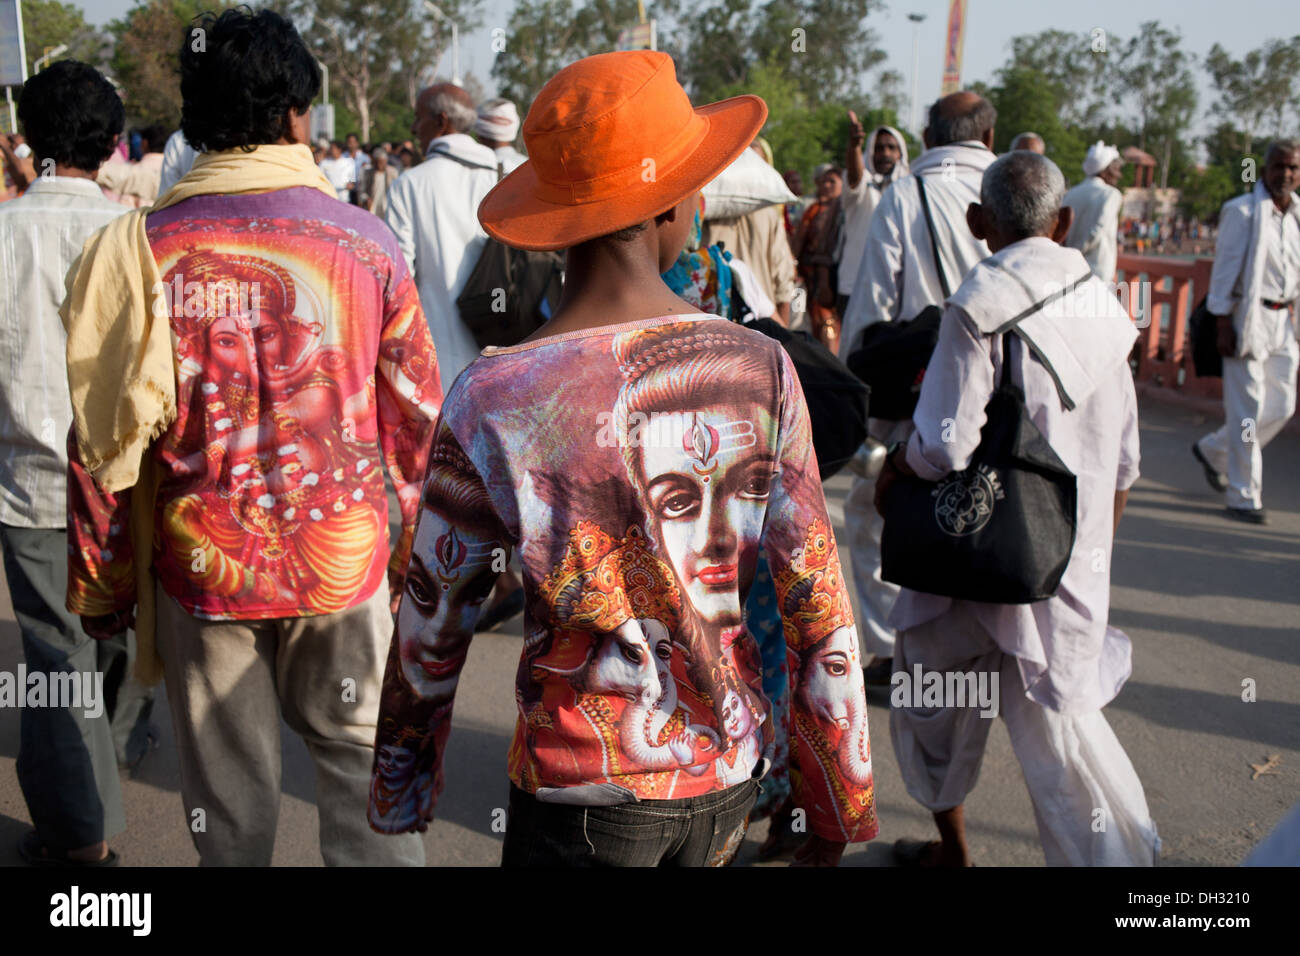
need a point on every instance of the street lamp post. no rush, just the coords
(455, 40)
(916, 19)
(50, 53)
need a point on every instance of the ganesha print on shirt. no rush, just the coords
(291, 419)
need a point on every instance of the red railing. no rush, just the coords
(1161, 296)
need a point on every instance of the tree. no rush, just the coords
(1028, 101)
(146, 56)
(375, 50)
(1153, 73)
(821, 44)
(1204, 191)
(1262, 83)
(48, 23)
(1074, 65)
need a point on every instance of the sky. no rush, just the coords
(1239, 27)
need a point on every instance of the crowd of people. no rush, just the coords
(273, 342)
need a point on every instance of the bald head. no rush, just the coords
(442, 109)
(960, 117)
(1031, 142)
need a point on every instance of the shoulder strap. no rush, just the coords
(1008, 329)
(464, 162)
(934, 242)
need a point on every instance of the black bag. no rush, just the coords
(511, 292)
(837, 399)
(891, 356)
(1001, 531)
(1203, 334)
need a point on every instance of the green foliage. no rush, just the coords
(1204, 191)
(1259, 87)
(379, 55)
(49, 23)
(1028, 101)
(145, 56)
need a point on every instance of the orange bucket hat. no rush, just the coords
(612, 142)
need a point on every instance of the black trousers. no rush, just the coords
(696, 831)
(68, 761)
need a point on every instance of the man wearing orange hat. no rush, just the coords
(636, 454)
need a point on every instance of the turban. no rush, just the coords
(498, 120)
(1099, 157)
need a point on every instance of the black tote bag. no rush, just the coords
(1000, 531)
(1203, 335)
(891, 356)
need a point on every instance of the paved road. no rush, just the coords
(1207, 602)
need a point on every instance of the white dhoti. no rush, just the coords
(863, 527)
(1259, 395)
(1088, 802)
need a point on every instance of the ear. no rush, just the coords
(975, 220)
(1064, 219)
(987, 138)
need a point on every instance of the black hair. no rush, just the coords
(156, 136)
(240, 77)
(71, 114)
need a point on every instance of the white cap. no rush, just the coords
(1099, 157)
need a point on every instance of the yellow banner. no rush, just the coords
(952, 47)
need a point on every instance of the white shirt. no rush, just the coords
(1069, 658)
(1095, 230)
(433, 209)
(897, 278)
(339, 172)
(178, 159)
(359, 162)
(860, 203)
(1237, 281)
(41, 234)
(1281, 279)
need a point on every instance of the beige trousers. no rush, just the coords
(229, 682)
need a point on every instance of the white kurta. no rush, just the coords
(859, 205)
(433, 209)
(1071, 660)
(1259, 384)
(1058, 660)
(1095, 230)
(178, 158)
(897, 277)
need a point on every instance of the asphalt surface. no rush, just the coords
(1207, 602)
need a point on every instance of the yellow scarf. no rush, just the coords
(121, 371)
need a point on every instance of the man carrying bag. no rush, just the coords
(1051, 663)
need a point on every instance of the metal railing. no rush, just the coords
(1162, 293)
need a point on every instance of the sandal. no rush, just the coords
(35, 853)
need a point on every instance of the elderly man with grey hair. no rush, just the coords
(1030, 141)
(1053, 664)
(433, 209)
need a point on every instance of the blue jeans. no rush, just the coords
(696, 831)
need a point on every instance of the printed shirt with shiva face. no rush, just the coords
(636, 470)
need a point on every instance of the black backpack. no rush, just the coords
(837, 400)
(511, 292)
